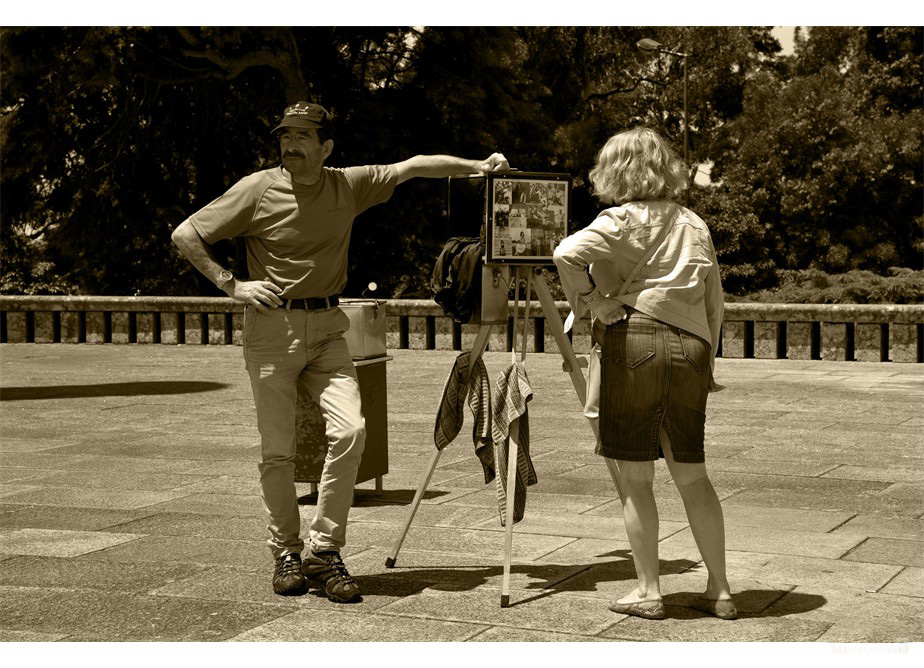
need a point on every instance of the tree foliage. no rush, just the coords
(824, 164)
(112, 136)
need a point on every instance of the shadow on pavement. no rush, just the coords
(550, 578)
(155, 387)
(753, 603)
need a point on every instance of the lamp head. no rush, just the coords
(648, 45)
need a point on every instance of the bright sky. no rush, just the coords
(785, 36)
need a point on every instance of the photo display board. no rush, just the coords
(527, 216)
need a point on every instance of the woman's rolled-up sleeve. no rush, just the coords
(573, 257)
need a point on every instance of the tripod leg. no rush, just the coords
(481, 342)
(390, 561)
(511, 492)
(567, 352)
(558, 333)
(480, 345)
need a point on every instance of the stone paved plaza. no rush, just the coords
(130, 509)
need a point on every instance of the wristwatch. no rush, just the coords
(224, 277)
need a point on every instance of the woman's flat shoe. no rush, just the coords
(645, 609)
(723, 609)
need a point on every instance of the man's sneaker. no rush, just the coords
(288, 579)
(327, 571)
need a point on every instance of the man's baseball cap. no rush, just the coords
(304, 115)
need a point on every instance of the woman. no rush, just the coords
(658, 352)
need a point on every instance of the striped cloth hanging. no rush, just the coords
(511, 395)
(450, 415)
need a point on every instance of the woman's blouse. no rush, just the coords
(680, 284)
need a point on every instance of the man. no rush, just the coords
(296, 220)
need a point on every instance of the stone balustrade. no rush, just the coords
(844, 332)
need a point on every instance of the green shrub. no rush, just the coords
(813, 286)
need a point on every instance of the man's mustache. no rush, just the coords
(292, 154)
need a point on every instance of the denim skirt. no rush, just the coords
(654, 376)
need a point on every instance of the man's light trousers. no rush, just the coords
(281, 347)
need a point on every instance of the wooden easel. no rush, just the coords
(571, 364)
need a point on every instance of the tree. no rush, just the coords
(112, 136)
(825, 160)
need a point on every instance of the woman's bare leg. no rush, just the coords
(640, 514)
(704, 512)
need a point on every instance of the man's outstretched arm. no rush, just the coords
(441, 166)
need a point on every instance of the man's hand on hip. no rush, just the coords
(264, 295)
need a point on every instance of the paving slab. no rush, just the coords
(58, 542)
(539, 502)
(55, 461)
(220, 467)
(763, 467)
(539, 611)
(20, 446)
(443, 515)
(112, 616)
(775, 541)
(29, 636)
(252, 555)
(333, 625)
(544, 468)
(66, 573)
(52, 517)
(794, 519)
(599, 470)
(910, 582)
(827, 501)
(575, 526)
(244, 485)
(20, 475)
(212, 504)
(799, 484)
(555, 485)
(232, 527)
(581, 454)
(904, 490)
(160, 450)
(694, 626)
(72, 497)
(509, 635)
(889, 551)
(464, 541)
(119, 480)
(410, 479)
(880, 473)
(859, 616)
(884, 526)
(11, 489)
(816, 572)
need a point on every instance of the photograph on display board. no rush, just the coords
(527, 216)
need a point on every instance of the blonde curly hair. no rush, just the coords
(637, 164)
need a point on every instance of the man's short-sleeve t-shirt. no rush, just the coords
(297, 236)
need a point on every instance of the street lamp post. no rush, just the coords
(651, 45)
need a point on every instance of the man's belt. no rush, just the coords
(312, 303)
